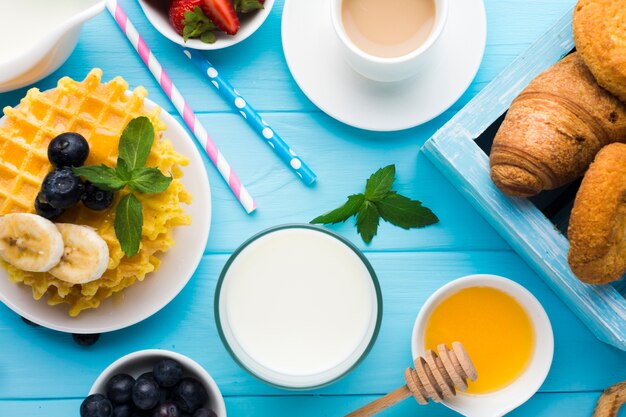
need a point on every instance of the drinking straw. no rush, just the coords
(226, 90)
(181, 105)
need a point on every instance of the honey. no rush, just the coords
(495, 330)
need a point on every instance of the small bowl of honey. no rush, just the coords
(506, 333)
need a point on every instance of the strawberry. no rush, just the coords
(223, 14)
(188, 19)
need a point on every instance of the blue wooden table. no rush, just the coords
(43, 373)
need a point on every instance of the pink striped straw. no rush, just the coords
(181, 105)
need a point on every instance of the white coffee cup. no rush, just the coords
(396, 68)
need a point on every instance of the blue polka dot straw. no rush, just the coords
(264, 130)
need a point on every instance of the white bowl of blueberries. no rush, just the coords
(154, 383)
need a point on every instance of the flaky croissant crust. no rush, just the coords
(554, 129)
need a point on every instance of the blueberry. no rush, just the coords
(30, 323)
(123, 410)
(145, 393)
(96, 405)
(166, 409)
(204, 412)
(190, 395)
(119, 388)
(97, 199)
(147, 375)
(46, 210)
(86, 339)
(164, 394)
(68, 150)
(167, 373)
(61, 188)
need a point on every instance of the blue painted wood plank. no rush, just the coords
(541, 405)
(36, 363)
(342, 158)
(581, 362)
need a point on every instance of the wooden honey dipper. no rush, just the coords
(435, 377)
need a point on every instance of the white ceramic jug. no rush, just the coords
(52, 33)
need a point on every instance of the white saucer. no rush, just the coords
(316, 62)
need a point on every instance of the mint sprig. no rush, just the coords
(380, 201)
(133, 152)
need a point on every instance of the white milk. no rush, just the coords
(25, 23)
(298, 307)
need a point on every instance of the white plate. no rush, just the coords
(249, 24)
(316, 62)
(143, 299)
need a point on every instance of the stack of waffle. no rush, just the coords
(99, 112)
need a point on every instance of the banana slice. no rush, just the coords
(86, 255)
(30, 242)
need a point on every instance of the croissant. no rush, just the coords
(554, 129)
(597, 228)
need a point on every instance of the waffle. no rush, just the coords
(98, 111)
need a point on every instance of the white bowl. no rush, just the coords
(499, 402)
(249, 25)
(39, 60)
(143, 299)
(137, 363)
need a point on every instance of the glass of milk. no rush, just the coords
(298, 306)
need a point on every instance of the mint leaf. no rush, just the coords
(136, 142)
(367, 221)
(379, 184)
(128, 224)
(343, 213)
(404, 212)
(123, 172)
(101, 176)
(379, 200)
(149, 181)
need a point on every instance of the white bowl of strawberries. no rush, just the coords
(206, 24)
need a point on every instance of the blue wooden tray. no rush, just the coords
(536, 227)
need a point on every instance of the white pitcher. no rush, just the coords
(37, 36)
